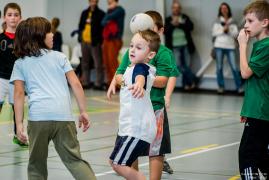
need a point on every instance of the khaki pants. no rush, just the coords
(64, 137)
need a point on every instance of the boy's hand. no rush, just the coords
(243, 37)
(84, 121)
(111, 90)
(167, 102)
(137, 90)
(20, 133)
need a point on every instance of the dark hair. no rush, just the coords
(30, 37)
(229, 9)
(152, 37)
(55, 22)
(157, 18)
(12, 6)
(260, 8)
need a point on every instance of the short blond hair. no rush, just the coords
(152, 37)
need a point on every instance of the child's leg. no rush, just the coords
(39, 137)
(251, 148)
(67, 146)
(156, 167)
(160, 146)
(128, 172)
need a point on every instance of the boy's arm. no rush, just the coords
(169, 90)
(80, 98)
(138, 87)
(160, 81)
(19, 107)
(118, 78)
(243, 39)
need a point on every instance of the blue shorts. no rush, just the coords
(127, 149)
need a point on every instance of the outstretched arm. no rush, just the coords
(138, 87)
(84, 120)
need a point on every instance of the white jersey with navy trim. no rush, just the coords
(137, 117)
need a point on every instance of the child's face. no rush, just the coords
(139, 49)
(49, 40)
(253, 26)
(12, 18)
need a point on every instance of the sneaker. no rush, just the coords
(21, 144)
(220, 90)
(240, 90)
(167, 168)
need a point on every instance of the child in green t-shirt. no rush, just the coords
(253, 150)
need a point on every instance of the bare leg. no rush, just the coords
(128, 172)
(156, 167)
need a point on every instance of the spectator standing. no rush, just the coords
(113, 23)
(177, 33)
(224, 32)
(90, 35)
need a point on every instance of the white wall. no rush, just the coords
(28, 7)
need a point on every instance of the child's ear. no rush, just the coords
(151, 54)
(265, 23)
(161, 30)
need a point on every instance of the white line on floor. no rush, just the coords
(179, 157)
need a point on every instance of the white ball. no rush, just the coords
(141, 22)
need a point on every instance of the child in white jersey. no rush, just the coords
(137, 126)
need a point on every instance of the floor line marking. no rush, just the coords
(179, 157)
(187, 151)
(235, 177)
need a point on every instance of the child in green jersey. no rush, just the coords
(253, 150)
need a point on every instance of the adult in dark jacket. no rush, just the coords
(177, 33)
(90, 36)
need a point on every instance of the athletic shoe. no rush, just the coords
(21, 144)
(167, 168)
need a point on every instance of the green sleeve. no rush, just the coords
(259, 62)
(162, 62)
(124, 63)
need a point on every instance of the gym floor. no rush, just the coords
(205, 133)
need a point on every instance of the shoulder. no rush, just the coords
(141, 67)
(163, 50)
(56, 54)
(100, 11)
(185, 16)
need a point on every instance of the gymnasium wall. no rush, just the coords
(202, 12)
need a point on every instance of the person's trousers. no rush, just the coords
(91, 54)
(254, 149)
(64, 137)
(111, 49)
(230, 53)
(183, 62)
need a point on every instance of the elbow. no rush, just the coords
(245, 75)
